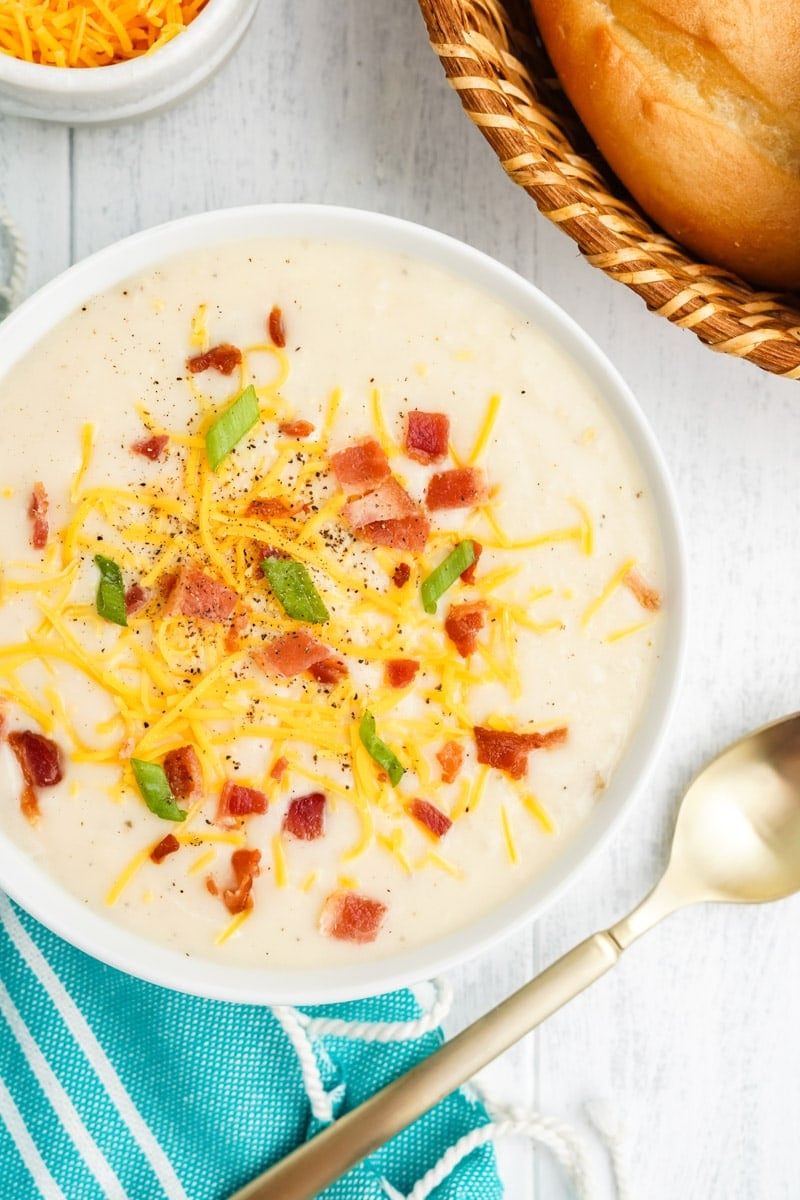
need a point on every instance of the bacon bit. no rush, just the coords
(236, 800)
(648, 597)
(409, 533)
(360, 467)
(211, 885)
(461, 487)
(3, 717)
(427, 436)
(276, 328)
(37, 511)
(463, 623)
(351, 917)
(184, 773)
(135, 598)
(195, 594)
(166, 583)
(305, 817)
(39, 760)
(239, 627)
(29, 805)
(451, 759)
(388, 516)
(279, 769)
(290, 654)
(265, 550)
(245, 869)
(167, 845)
(468, 575)
(329, 671)
(271, 507)
(428, 815)
(400, 671)
(401, 574)
(388, 502)
(223, 358)
(509, 751)
(296, 429)
(152, 447)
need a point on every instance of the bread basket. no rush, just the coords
(494, 59)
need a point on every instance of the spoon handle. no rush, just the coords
(312, 1167)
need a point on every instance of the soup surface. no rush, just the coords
(330, 598)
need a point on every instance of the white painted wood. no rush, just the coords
(695, 1039)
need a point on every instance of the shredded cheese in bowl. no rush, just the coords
(95, 33)
(162, 51)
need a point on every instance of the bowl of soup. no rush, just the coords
(342, 603)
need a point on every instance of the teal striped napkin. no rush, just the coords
(116, 1089)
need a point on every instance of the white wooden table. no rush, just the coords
(695, 1038)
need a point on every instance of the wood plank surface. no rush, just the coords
(694, 1040)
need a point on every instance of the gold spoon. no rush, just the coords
(737, 839)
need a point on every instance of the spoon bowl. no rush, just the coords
(737, 839)
(737, 836)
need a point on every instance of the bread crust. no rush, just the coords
(696, 107)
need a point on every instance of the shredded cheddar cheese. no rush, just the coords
(533, 806)
(508, 835)
(612, 585)
(92, 33)
(125, 876)
(617, 635)
(87, 445)
(486, 428)
(201, 862)
(279, 859)
(232, 927)
(434, 859)
(388, 444)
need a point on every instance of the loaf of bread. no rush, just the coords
(695, 104)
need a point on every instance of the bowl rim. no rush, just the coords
(105, 81)
(98, 935)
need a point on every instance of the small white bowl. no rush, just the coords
(46, 900)
(138, 87)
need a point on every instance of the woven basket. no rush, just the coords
(494, 59)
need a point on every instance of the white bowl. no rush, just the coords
(48, 902)
(140, 86)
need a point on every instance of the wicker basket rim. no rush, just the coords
(494, 60)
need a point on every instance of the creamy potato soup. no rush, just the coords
(329, 599)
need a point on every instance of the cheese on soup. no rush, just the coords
(329, 602)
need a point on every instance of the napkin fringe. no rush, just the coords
(564, 1142)
(435, 1007)
(321, 1101)
(560, 1139)
(302, 1031)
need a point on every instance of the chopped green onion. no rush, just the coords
(110, 591)
(294, 588)
(230, 426)
(444, 576)
(151, 779)
(378, 750)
